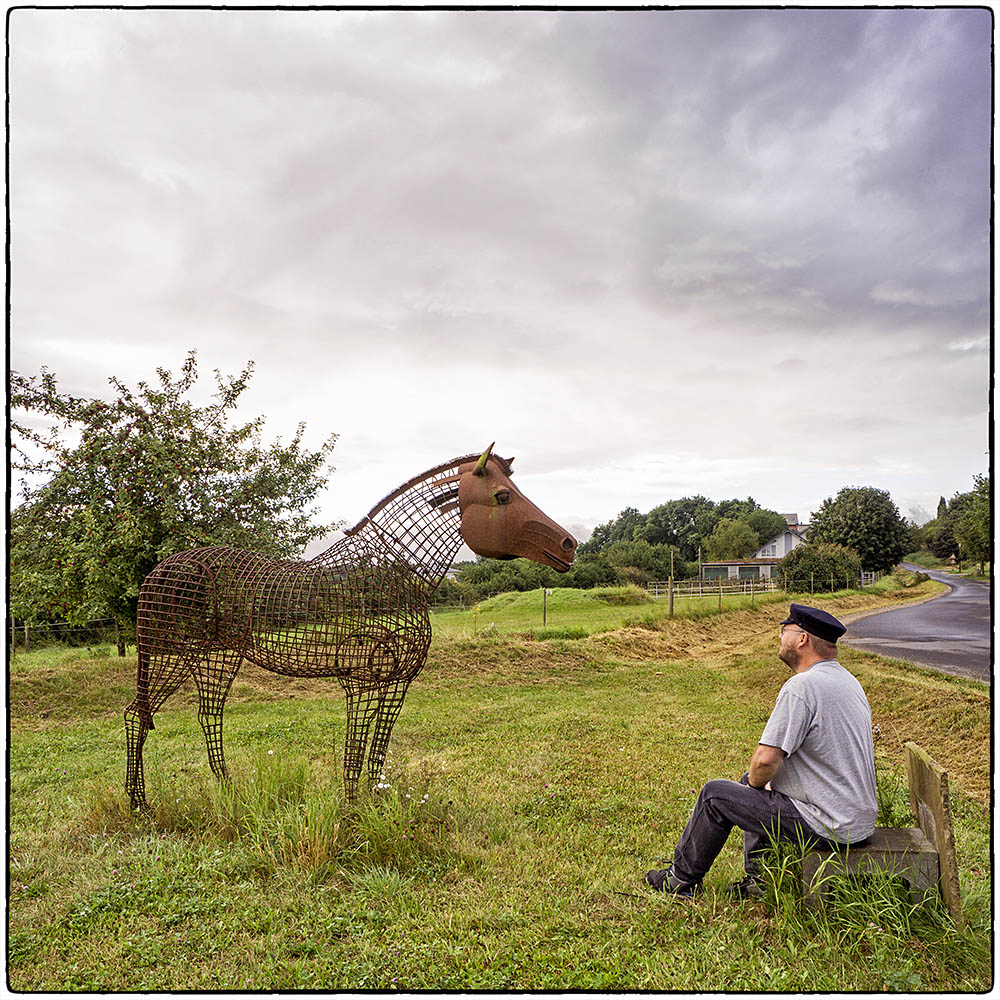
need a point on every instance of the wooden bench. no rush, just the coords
(923, 855)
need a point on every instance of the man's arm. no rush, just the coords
(764, 765)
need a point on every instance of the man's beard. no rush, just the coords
(790, 658)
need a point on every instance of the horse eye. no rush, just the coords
(502, 496)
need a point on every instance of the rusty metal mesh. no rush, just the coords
(357, 612)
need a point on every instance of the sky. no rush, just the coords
(651, 254)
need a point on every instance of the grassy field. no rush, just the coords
(535, 777)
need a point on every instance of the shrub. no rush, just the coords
(824, 566)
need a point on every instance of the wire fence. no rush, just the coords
(709, 588)
(97, 632)
(814, 583)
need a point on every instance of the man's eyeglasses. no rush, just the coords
(793, 629)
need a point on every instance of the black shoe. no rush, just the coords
(665, 881)
(750, 888)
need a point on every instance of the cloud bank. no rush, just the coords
(652, 253)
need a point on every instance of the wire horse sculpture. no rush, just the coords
(357, 612)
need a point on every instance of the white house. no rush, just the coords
(791, 538)
(762, 562)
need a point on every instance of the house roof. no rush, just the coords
(788, 531)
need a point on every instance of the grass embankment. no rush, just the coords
(972, 571)
(535, 782)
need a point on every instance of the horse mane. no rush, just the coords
(434, 473)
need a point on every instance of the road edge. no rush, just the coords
(855, 616)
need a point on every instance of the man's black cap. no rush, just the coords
(815, 621)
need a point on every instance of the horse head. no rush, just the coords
(500, 522)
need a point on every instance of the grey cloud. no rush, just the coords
(576, 227)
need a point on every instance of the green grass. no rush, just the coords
(573, 614)
(927, 559)
(930, 561)
(531, 785)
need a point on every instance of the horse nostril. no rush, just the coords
(568, 544)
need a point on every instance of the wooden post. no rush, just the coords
(831, 583)
(27, 641)
(120, 638)
(544, 597)
(751, 592)
(930, 802)
(670, 591)
(720, 593)
(812, 583)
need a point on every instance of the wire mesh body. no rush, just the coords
(357, 612)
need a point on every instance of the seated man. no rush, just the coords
(811, 778)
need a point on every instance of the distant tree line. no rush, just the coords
(860, 528)
(961, 528)
(728, 529)
(635, 562)
(632, 548)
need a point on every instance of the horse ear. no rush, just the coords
(480, 469)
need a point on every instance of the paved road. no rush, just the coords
(950, 633)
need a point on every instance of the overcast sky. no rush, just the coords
(650, 253)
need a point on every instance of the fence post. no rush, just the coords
(720, 593)
(831, 583)
(751, 592)
(812, 583)
(670, 591)
(27, 641)
(119, 637)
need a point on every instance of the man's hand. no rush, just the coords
(764, 765)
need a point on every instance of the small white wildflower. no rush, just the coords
(270, 752)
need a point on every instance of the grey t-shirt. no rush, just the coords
(823, 723)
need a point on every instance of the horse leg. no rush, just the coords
(213, 678)
(362, 707)
(389, 704)
(159, 676)
(135, 736)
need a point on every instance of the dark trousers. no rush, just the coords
(763, 817)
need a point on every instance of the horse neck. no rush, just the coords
(419, 524)
(429, 553)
